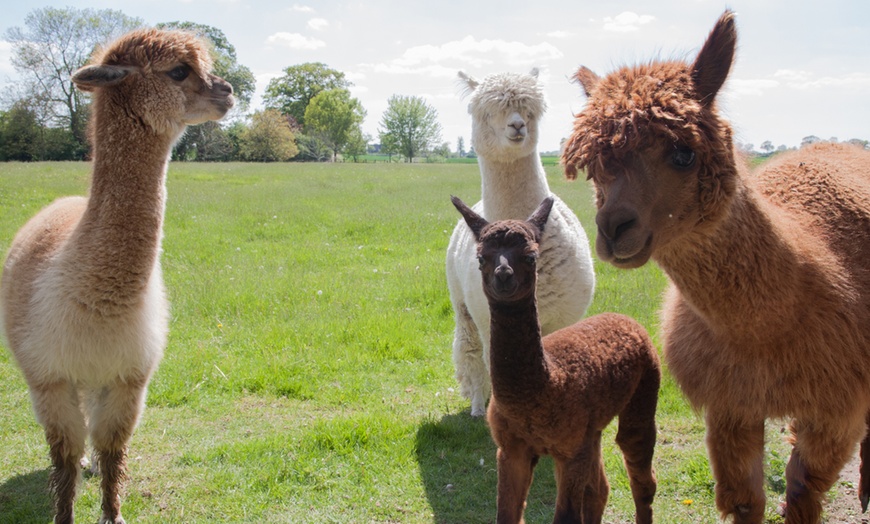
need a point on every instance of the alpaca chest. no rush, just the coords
(800, 372)
(69, 342)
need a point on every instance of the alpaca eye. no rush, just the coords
(179, 73)
(531, 259)
(480, 262)
(683, 157)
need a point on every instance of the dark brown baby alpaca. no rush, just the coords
(555, 395)
(768, 311)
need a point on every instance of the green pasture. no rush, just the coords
(308, 376)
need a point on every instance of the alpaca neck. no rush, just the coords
(512, 189)
(518, 367)
(739, 272)
(114, 249)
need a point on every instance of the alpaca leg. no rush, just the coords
(468, 355)
(636, 437)
(114, 413)
(864, 472)
(516, 466)
(57, 409)
(582, 485)
(816, 460)
(736, 450)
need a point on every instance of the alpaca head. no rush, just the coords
(507, 251)
(660, 156)
(161, 78)
(505, 110)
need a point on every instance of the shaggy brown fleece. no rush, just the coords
(768, 314)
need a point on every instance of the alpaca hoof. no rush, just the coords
(478, 406)
(109, 520)
(865, 498)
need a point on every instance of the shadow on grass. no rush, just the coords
(456, 456)
(25, 499)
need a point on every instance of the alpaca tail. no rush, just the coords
(636, 438)
(864, 482)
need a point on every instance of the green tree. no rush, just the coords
(225, 61)
(23, 138)
(206, 142)
(269, 138)
(53, 45)
(333, 115)
(409, 126)
(357, 145)
(291, 92)
(19, 134)
(442, 150)
(312, 148)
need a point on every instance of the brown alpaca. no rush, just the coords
(81, 292)
(768, 312)
(555, 395)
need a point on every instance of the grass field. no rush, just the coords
(308, 375)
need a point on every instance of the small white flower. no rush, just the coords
(319, 291)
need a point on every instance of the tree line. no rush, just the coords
(309, 112)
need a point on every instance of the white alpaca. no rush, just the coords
(505, 110)
(81, 292)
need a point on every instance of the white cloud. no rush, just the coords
(478, 53)
(433, 70)
(626, 21)
(560, 34)
(318, 24)
(753, 87)
(805, 80)
(354, 76)
(295, 41)
(302, 8)
(6, 58)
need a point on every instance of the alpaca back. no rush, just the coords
(598, 364)
(828, 187)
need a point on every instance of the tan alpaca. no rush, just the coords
(81, 292)
(768, 312)
(555, 394)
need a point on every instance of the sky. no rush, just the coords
(802, 68)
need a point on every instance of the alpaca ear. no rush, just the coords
(713, 63)
(91, 77)
(540, 216)
(587, 79)
(467, 85)
(475, 222)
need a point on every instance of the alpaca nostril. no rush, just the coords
(613, 224)
(504, 271)
(622, 228)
